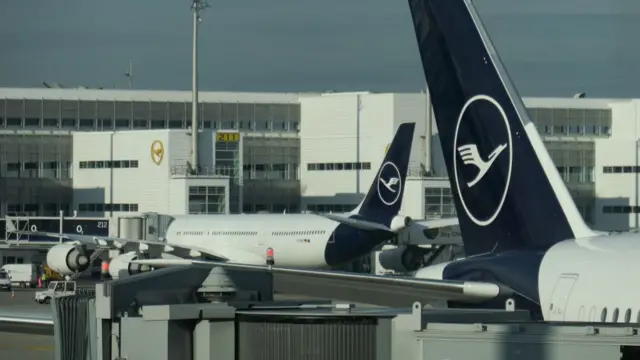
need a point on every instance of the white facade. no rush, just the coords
(594, 143)
(342, 139)
(617, 168)
(144, 170)
(339, 131)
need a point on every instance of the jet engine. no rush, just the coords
(402, 259)
(400, 222)
(67, 259)
(123, 263)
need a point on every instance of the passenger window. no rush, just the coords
(627, 316)
(603, 315)
(615, 315)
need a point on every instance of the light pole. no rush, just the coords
(636, 186)
(197, 7)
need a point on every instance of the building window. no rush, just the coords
(620, 209)
(339, 166)
(330, 208)
(574, 122)
(438, 203)
(108, 207)
(207, 200)
(107, 164)
(627, 169)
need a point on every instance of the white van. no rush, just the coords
(22, 275)
(5, 283)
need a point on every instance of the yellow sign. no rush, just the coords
(227, 137)
(157, 151)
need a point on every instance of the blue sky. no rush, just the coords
(550, 47)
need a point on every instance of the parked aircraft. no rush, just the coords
(523, 235)
(301, 240)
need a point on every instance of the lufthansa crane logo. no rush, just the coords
(157, 151)
(478, 197)
(389, 183)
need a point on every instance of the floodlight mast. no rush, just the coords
(197, 7)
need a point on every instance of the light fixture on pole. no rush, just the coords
(197, 7)
(129, 74)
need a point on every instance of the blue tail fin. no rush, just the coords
(508, 193)
(384, 198)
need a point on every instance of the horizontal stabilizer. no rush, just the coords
(356, 223)
(369, 225)
(436, 290)
(438, 223)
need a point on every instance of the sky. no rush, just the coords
(550, 47)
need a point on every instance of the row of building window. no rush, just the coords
(141, 124)
(339, 166)
(576, 174)
(12, 260)
(147, 114)
(330, 208)
(36, 169)
(108, 207)
(572, 122)
(620, 209)
(49, 209)
(267, 167)
(574, 130)
(620, 169)
(109, 164)
(264, 125)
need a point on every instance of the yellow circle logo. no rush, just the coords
(157, 152)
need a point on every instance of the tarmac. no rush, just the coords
(24, 346)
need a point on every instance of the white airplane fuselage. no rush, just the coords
(297, 240)
(577, 280)
(582, 280)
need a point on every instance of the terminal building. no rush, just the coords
(111, 153)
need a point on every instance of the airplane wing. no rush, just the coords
(143, 245)
(26, 320)
(465, 291)
(369, 225)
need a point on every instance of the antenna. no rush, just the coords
(129, 74)
(197, 7)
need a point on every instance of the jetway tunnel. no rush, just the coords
(146, 226)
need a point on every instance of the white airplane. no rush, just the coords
(523, 235)
(297, 240)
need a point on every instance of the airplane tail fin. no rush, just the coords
(507, 190)
(383, 201)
